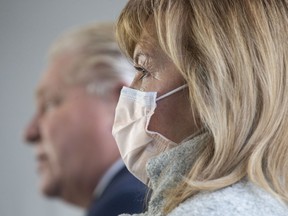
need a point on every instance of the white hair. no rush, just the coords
(99, 63)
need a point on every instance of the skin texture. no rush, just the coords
(173, 117)
(71, 134)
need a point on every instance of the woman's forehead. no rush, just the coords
(148, 41)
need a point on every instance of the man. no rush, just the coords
(78, 159)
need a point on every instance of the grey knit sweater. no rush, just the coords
(240, 199)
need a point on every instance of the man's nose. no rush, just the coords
(32, 133)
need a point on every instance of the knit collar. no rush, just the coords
(167, 170)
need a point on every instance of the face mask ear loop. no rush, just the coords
(172, 92)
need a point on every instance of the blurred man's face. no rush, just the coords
(71, 133)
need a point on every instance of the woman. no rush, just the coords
(205, 121)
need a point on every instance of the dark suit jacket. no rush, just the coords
(124, 194)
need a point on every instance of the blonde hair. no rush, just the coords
(234, 56)
(98, 62)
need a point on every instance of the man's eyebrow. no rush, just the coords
(40, 92)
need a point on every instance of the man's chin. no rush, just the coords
(50, 189)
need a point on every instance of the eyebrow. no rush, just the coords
(44, 91)
(40, 92)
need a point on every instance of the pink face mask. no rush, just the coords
(136, 144)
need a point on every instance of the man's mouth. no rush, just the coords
(42, 161)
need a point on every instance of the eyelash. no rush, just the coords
(141, 70)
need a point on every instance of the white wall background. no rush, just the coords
(27, 28)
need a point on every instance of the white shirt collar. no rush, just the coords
(107, 177)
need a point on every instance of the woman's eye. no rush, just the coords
(143, 72)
